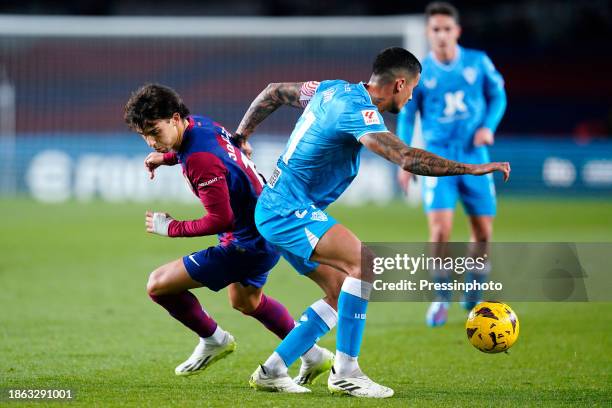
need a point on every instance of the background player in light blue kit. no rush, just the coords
(461, 100)
(320, 161)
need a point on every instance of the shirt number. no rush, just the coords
(298, 134)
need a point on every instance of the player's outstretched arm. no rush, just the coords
(421, 162)
(270, 99)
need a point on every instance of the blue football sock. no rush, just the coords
(352, 306)
(316, 321)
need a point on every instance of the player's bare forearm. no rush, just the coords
(422, 162)
(270, 99)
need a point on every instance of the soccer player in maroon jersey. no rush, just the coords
(226, 182)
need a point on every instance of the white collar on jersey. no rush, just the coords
(451, 65)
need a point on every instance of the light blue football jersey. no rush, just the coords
(321, 158)
(455, 99)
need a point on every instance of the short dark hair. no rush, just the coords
(442, 7)
(150, 103)
(391, 60)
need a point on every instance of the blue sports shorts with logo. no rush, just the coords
(219, 266)
(295, 234)
(477, 193)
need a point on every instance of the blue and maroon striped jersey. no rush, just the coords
(224, 179)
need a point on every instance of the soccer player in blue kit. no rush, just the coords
(461, 100)
(320, 161)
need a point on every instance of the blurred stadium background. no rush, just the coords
(64, 80)
(73, 191)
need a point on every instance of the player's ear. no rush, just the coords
(400, 84)
(176, 118)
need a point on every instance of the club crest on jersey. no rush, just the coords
(430, 83)
(470, 74)
(318, 216)
(370, 117)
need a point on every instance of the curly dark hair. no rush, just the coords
(150, 103)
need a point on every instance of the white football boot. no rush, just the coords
(263, 382)
(309, 373)
(206, 355)
(357, 385)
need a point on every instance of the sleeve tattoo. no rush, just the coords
(416, 161)
(270, 99)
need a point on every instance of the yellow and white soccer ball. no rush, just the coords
(492, 327)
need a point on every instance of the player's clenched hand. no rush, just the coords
(480, 169)
(403, 179)
(483, 136)
(157, 222)
(153, 161)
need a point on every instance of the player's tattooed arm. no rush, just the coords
(270, 99)
(422, 162)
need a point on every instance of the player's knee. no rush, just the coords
(155, 284)
(246, 308)
(439, 233)
(238, 305)
(244, 305)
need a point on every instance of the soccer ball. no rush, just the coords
(492, 327)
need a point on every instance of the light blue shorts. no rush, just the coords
(295, 235)
(477, 193)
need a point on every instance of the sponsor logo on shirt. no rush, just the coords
(370, 117)
(301, 214)
(454, 103)
(209, 182)
(274, 177)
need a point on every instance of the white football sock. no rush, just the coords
(218, 338)
(345, 365)
(275, 366)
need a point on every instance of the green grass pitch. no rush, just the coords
(74, 314)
